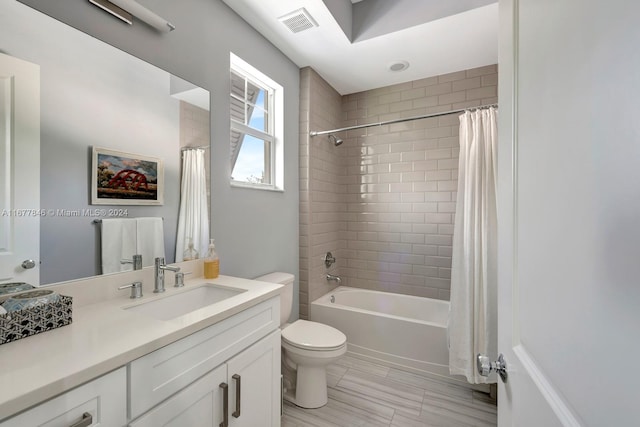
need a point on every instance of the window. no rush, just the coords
(256, 128)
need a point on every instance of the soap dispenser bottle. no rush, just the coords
(211, 262)
(190, 253)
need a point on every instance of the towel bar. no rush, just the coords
(99, 221)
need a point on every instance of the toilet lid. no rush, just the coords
(313, 336)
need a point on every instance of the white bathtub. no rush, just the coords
(405, 331)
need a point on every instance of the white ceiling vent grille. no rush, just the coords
(298, 20)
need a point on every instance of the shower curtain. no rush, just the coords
(473, 309)
(193, 218)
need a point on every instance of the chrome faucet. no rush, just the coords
(160, 267)
(335, 278)
(136, 261)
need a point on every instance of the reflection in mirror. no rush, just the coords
(94, 95)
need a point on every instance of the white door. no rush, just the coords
(19, 170)
(569, 212)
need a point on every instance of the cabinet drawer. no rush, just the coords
(104, 399)
(158, 375)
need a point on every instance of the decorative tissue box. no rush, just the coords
(43, 317)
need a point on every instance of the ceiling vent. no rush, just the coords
(298, 20)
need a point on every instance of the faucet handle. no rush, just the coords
(180, 279)
(328, 259)
(136, 289)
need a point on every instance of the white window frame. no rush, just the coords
(275, 122)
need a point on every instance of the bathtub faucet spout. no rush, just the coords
(335, 278)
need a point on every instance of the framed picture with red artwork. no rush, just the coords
(119, 178)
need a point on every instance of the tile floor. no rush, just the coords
(366, 394)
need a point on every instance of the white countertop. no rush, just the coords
(104, 337)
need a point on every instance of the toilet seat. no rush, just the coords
(313, 336)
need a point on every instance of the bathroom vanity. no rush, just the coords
(119, 366)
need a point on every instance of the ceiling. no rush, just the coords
(356, 41)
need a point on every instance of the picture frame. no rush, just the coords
(120, 178)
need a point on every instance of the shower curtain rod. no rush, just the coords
(204, 147)
(407, 119)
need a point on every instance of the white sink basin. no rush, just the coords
(179, 304)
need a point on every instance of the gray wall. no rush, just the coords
(255, 231)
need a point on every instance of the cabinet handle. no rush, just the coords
(225, 405)
(238, 382)
(86, 421)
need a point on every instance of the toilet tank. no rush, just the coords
(286, 297)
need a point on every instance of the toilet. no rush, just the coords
(307, 349)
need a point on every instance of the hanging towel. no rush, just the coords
(150, 239)
(118, 242)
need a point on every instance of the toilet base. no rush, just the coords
(311, 388)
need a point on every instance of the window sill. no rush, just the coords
(247, 185)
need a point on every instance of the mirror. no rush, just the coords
(94, 95)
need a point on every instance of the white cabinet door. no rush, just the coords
(198, 405)
(254, 384)
(103, 400)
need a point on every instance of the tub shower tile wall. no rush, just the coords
(322, 203)
(402, 180)
(397, 182)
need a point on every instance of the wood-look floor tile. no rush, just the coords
(425, 420)
(435, 385)
(362, 393)
(483, 397)
(363, 365)
(332, 380)
(380, 412)
(472, 413)
(355, 416)
(298, 417)
(334, 413)
(334, 373)
(288, 421)
(401, 397)
(337, 370)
